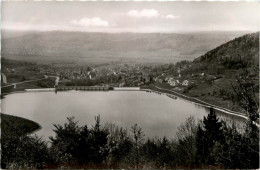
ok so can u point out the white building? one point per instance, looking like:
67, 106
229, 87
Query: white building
185, 83
173, 82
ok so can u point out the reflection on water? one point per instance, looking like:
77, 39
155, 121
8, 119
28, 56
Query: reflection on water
158, 115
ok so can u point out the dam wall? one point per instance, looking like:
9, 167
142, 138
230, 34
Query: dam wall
127, 88
86, 88
40, 90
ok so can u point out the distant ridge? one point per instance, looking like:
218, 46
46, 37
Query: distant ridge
109, 47
244, 48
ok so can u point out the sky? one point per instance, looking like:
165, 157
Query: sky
130, 16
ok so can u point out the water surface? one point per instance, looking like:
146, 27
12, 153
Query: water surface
158, 115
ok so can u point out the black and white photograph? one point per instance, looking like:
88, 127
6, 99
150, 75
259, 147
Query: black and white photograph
129, 84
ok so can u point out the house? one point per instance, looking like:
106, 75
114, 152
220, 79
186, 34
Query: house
121, 84
172, 82
147, 79
185, 83
91, 75
157, 79
76, 75
169, 78
160, 80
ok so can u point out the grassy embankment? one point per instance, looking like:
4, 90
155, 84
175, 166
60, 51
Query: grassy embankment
194, 95
17, 71
23, 74
11, 124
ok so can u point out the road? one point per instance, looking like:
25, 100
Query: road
206, 104
45, 77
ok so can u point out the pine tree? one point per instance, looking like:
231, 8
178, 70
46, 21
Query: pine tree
201, 146
213, 128
207, 135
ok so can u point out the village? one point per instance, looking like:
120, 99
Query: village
118, 75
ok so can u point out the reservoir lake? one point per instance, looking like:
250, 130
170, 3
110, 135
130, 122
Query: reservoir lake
157, 114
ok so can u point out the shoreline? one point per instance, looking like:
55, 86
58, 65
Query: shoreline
156, 90
207, 105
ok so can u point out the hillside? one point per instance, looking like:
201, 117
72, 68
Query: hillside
235, 53
214, 76
108, 47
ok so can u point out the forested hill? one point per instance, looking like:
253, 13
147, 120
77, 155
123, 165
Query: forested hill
241, 50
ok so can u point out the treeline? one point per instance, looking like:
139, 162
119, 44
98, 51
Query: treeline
210, 143
46, 83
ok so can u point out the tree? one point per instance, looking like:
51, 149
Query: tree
65, 145
137, 138
246, 90
98, 141
18, 149
164, 157
119, 145
76, 145
201, 145
208, 134
231, 152
150, 151
187, 142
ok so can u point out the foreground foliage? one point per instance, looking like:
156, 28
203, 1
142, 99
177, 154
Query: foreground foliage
209, 143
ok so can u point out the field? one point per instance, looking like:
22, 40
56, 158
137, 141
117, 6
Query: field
18, 72
205, 93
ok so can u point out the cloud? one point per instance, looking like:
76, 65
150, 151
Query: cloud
144, 13
170, 16
90, 22
149, 13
